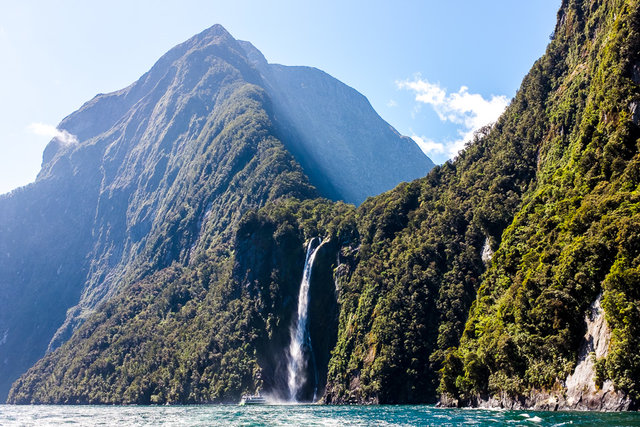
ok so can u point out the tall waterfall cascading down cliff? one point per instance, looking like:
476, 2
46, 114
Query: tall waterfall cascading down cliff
300, 345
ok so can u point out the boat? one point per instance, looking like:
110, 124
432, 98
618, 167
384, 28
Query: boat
257, 399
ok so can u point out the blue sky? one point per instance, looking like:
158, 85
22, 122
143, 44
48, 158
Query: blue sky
435, 70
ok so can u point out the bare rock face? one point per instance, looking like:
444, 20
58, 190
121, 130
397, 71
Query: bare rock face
579, 392
635, 112
487, 253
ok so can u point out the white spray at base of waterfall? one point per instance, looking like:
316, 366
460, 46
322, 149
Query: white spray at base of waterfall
296, 363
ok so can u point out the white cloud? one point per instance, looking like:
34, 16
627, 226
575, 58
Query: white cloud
426, 92
427, 146
392, 103
470, 111
52, 132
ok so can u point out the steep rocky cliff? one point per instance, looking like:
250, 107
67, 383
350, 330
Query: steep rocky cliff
489, 282
574, 236
551, 191
161, 174
347, 151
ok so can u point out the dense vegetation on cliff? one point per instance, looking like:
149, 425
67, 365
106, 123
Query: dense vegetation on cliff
470, 282
552, 187
420, 260
162, 172
147, 328
577, 232
203, 333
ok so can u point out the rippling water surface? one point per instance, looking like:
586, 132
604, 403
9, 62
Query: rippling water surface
296, 415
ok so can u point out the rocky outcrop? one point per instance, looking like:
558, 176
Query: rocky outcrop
580, 391
547, 401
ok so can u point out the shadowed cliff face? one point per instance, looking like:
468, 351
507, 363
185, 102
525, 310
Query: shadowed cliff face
162, 172
323, 315
34, 296
347, 151
269, 262
271, 267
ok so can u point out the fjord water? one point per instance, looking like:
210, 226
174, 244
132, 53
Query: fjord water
297, 415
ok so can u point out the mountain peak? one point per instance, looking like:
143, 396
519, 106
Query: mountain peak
215, 32
166, 168
216, 35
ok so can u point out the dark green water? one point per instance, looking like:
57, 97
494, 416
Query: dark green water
297, 415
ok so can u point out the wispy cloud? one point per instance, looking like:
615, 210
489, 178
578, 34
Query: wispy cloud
470, 111
428, 146
52, 132
392, 103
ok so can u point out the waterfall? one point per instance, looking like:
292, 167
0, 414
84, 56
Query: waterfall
300, 338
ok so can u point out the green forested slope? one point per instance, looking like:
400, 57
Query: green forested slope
553, 186
162, 172
419, 259
577, 234
204, 333
162, 338
409, 302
